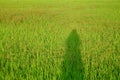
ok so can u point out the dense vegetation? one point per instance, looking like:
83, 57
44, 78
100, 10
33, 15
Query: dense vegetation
59, 40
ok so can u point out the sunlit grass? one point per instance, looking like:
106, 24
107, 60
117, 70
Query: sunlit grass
34, 37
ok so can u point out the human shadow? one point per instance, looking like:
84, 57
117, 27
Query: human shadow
73, 68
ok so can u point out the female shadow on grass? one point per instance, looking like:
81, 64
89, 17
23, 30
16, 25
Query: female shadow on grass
73, 68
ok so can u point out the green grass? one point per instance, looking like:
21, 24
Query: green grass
59, 40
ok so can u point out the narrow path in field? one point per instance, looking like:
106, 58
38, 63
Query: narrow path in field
73, 68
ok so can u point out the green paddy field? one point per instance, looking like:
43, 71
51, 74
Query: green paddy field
59, 40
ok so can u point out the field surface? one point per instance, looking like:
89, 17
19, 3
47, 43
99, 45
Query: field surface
59, 40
